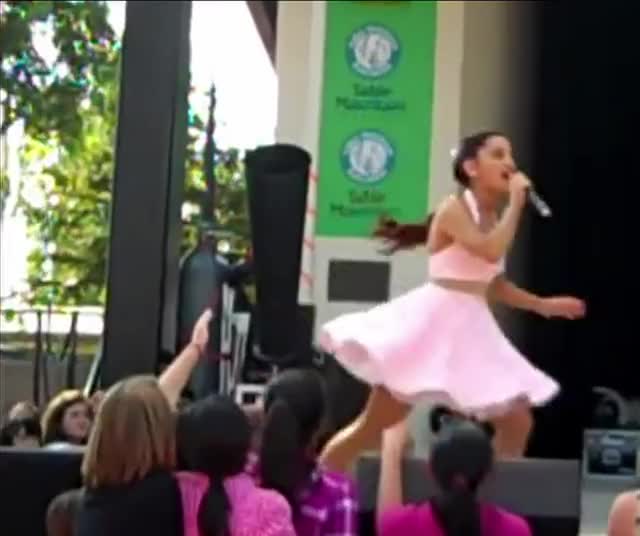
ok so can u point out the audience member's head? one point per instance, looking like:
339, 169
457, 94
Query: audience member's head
214, 437
62, 512
461, 458
67, 419
295, 405
133, 435
21, 432
23, 410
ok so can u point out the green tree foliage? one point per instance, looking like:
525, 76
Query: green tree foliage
4, 189
69, 110
230, 209
70, 217
47, 92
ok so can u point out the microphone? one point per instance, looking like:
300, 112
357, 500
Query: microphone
539, 204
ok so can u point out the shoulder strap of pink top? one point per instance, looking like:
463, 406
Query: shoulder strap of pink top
471, 202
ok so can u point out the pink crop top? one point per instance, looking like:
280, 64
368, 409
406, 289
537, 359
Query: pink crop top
456, 263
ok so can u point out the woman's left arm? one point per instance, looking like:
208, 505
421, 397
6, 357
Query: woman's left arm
504, 291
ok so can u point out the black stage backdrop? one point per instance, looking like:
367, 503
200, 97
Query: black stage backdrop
586, 156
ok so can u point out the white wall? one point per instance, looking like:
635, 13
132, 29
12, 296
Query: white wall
292, 57
300, 68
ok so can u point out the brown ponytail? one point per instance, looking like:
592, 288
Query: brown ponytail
397, 236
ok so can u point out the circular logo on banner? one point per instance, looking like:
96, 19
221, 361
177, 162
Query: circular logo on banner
368, 157
373, 51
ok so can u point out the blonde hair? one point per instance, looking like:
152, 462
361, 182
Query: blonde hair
133, 434
51, 422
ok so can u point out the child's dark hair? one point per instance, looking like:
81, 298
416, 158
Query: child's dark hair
461, 458
399, 236
295, 405
214, 438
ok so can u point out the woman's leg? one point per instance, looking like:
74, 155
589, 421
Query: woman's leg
382, 411
512, 432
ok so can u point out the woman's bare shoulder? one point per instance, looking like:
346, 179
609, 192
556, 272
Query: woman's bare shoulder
452, 201
453, 207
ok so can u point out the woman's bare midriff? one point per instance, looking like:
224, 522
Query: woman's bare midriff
477, 288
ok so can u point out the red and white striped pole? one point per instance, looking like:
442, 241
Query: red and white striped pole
305, 292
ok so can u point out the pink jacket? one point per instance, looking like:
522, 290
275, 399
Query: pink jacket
254, 511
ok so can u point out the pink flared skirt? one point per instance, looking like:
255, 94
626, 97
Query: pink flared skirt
438, 345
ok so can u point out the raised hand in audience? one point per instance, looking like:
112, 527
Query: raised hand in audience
200, 334
394, 445
96, 400
176, 375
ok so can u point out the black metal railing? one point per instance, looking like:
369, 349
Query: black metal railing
33, 336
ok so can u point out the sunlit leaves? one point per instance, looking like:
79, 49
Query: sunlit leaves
68, 98
45, 78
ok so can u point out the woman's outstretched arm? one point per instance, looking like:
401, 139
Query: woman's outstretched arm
504, 291
177, 374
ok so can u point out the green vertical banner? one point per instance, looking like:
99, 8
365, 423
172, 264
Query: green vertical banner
377, 103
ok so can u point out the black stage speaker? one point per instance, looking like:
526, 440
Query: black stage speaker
202, 274
305, 319
546, 492
29, 480
277, 183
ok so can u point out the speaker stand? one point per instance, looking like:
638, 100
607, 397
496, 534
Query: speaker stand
253, 392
